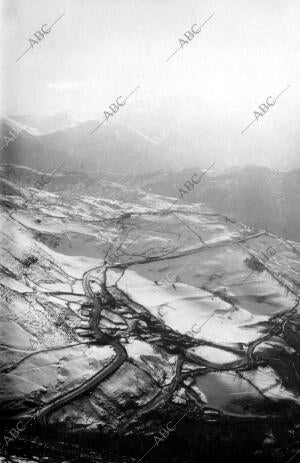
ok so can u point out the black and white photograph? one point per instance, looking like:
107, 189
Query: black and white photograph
150, 231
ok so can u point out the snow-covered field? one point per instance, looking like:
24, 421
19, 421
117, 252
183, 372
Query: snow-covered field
192, 316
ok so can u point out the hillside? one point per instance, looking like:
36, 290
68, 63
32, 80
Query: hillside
122, 311
258, 196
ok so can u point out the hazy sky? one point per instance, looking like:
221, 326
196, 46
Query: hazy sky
101, 49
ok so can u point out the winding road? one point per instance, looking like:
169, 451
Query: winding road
121, 356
